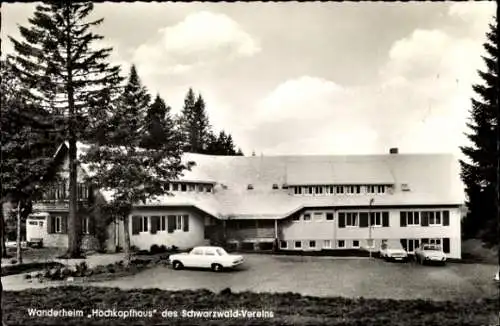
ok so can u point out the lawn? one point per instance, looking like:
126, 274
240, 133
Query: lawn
279, 309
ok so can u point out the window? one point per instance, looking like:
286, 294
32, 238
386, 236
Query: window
275, 186
307, 217
40, 223
191, 187
312, 244
318, 216
144, 224
85, 225
435, 241
410, 244
208, 188
370, 189
283, 244
82, 191
331, 189
298, 244
175, 187
298, 190
434, 218
210, 252
329, 216
309, 190
296, 217
250, 187
339, 189
33, 223
413, 218
341, 243
355, 243
197, 251
167, 187
375, 219
327, 244
56, 226
319, 189
351, 219
163, 223
178, 224
380, 189
183, 187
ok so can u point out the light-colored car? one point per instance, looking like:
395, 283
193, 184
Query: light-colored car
497, 277
430, 253
393, 250
215, 258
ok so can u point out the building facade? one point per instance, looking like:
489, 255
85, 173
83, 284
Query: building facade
305, 203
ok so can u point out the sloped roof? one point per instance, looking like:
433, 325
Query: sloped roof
433, 179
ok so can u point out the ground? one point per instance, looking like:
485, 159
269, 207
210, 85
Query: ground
316, 276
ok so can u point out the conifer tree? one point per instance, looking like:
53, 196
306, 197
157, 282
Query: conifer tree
131, 173
480, 173
160, 126
194, 124
61, 69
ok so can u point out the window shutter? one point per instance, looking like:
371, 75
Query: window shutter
50, 225
155, 220
402, 217
404, 244
171, 223
446, 245
341, 220
185, 223
136, 224
446, 218
92, 224
363, 220
64, 224
424, 219
385, 218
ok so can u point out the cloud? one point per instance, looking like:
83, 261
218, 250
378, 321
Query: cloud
201, 38
419, 103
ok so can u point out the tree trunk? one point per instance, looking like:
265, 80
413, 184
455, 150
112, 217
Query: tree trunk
126, 235
3, 232
74, 238
19, 253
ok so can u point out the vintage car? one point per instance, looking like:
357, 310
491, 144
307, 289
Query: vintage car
430, 253
393, 250
215, 258
497, 277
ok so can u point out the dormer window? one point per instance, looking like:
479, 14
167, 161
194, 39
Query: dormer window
275, 186
250, 187
405, 187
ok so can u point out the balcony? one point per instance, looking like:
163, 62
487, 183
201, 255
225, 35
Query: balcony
56, 205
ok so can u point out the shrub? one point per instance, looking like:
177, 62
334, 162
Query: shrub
132, 248
82, 268
154, 249
163, 249
174, 248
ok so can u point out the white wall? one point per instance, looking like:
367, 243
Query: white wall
328, 230
179, 238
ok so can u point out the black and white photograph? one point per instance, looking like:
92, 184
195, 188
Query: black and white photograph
250, 163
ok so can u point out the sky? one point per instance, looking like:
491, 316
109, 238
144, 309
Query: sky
306, 78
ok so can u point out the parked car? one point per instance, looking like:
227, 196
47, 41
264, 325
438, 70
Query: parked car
215, 258
430, 253
497, 277
393, 250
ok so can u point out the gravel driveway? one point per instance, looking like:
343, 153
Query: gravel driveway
319, 276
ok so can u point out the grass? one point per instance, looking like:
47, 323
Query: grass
287, 308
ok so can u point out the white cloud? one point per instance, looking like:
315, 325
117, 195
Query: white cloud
201, 38
420, 102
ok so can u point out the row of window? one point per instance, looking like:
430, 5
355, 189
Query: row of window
61, 191
379, 219
341, 189
189, 187
58, 224
156, 223
408, 244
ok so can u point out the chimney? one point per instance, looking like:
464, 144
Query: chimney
393, 150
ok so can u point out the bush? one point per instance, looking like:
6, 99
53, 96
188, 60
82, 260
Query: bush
174, 249
132, 248
155, 249
163, 249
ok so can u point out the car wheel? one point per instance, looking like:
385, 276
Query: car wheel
217, 267
177, 265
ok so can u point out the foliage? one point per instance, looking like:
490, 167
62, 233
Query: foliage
479, 172
159, 125
287, 308
61, 71
131, 173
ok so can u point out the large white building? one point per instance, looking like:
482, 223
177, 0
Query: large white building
302, 203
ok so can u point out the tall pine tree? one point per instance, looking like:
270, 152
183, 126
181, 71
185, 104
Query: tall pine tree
61, 70
480, 174
28, 143
133, 174
160, 126
194, 124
